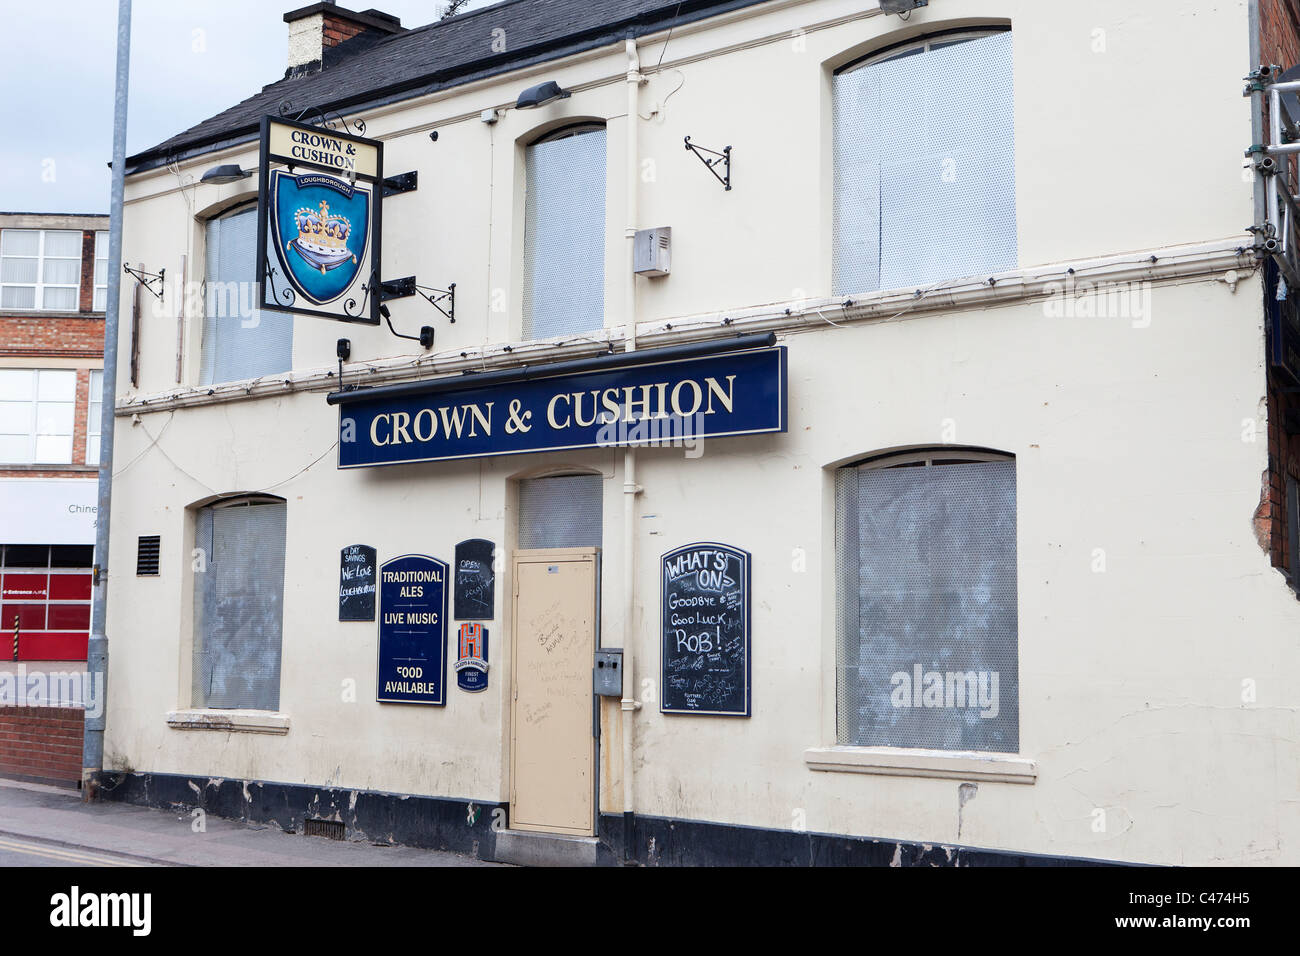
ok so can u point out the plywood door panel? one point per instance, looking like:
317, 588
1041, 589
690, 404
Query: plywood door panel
552, 747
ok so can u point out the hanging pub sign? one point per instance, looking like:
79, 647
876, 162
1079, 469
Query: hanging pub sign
472, 657
319, 194
674, 403
475, 594
412, 631
357, 583
705, 631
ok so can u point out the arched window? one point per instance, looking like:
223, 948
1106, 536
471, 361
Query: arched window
238, 603
240, 341
925, 555
924, 153
564, 233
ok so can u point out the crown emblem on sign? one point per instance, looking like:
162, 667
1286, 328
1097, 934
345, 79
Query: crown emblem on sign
322, 238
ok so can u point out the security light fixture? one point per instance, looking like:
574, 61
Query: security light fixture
901, 6
229, 173
540, 95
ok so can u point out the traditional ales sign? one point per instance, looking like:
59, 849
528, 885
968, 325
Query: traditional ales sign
412, 631
319, 197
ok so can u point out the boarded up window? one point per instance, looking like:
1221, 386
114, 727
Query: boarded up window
925, 179
926, 615
239, 340
238, 605
562, 512
564, 234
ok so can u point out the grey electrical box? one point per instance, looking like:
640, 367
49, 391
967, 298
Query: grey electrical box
653, 251
609, 672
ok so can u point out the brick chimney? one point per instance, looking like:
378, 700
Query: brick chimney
316, 31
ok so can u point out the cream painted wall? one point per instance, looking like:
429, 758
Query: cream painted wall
1126, 439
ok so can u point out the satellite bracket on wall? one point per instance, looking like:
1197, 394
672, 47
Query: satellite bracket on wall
147, 279
723, 158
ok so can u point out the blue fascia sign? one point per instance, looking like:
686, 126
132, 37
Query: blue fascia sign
671, 403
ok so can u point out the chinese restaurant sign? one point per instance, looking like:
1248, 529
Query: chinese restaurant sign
668, 404
412, 631
319, 197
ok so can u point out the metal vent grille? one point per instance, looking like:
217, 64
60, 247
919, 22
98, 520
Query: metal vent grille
924, 152
146, 554
927, 652
564, 236
563, 512
332, 829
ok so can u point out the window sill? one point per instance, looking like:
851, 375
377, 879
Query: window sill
908, 762
236, 721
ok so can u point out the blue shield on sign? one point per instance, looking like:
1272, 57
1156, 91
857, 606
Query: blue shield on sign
320, 226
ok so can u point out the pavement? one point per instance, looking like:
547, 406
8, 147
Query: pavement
50, 826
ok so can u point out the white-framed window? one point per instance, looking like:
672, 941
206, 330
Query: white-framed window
564, 233
40, 269
94, 410
38, 409
101, 272
238, 604
240, 341
924, 155
926, 607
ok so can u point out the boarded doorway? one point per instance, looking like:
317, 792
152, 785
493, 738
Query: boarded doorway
555, 618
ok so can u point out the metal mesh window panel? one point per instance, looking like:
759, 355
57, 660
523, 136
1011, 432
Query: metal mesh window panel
562, 512
240, 341
238, 606
927, 649
924, 153
564, 236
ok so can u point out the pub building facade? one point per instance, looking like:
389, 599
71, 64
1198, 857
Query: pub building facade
643, 432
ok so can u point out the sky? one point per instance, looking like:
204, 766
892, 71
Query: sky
190, 59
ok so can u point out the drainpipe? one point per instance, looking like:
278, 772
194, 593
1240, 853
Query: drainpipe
92, 755
631, 489
1257, 111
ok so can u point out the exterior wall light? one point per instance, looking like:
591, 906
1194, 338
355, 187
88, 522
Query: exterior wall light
229, 173
540, 95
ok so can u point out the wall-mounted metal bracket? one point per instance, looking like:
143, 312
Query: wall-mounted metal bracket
723, 158
147, 279
396, 288
435, 297
401, 183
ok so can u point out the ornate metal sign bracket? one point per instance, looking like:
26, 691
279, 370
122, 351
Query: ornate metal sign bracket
723, 159
147, 279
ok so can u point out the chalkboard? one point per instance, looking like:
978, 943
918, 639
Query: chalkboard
412, 631
475, 580
357, 583
705, 631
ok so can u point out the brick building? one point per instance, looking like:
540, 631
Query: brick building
53, 289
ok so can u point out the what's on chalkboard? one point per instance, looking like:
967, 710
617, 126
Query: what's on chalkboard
357, 583
475, 580
705, 631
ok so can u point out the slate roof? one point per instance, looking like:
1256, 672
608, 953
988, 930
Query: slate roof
378, 70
